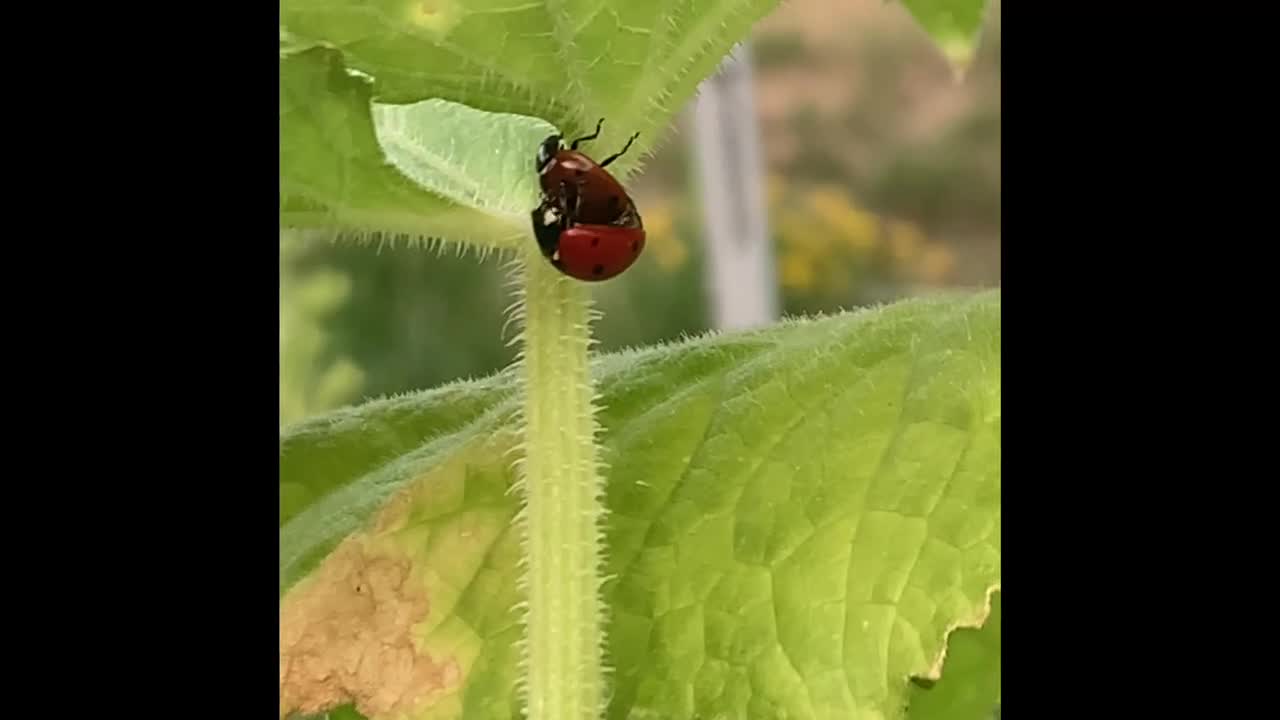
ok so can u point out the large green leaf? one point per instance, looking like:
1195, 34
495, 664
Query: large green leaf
447, 148
798, 517
569, 61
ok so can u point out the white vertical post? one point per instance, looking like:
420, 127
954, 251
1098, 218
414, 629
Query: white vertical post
726, 144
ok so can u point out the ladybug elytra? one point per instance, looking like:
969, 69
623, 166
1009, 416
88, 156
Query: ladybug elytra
586, 251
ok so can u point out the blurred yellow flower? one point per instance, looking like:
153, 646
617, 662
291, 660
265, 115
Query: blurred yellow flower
661, 241
825, 241
936, 263
658, 219
905, 242
856, 227
829, 196
799, 232
797, 271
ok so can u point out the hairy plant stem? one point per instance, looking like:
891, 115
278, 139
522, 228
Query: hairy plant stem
563, 674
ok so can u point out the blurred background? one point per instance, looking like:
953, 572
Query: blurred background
878, 179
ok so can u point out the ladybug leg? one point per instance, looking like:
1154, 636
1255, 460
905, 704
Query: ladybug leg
592, 136
570, 207
577, 201
621, 152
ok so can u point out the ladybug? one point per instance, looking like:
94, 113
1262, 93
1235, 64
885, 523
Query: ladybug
587, 226
599, 197
586, 251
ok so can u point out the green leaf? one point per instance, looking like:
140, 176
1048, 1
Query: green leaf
569, 61
431, 171
798, 516
311, 377
969, 688
443, 168
954, 26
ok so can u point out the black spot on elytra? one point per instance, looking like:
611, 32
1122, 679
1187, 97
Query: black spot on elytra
595, 241
635, 246
597, 270
613, 204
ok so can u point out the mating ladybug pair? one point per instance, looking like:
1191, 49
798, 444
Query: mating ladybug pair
586, 224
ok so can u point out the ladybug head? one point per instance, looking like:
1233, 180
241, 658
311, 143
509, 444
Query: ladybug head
547, 151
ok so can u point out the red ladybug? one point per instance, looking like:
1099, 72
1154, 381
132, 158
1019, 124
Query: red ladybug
599, 197
587, 225
586, 251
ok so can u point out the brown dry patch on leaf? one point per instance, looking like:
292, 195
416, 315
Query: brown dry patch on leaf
345, 636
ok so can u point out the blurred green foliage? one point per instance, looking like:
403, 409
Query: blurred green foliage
315, 372
408, 318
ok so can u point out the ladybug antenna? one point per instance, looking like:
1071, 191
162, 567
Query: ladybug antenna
592, 136
620, 153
